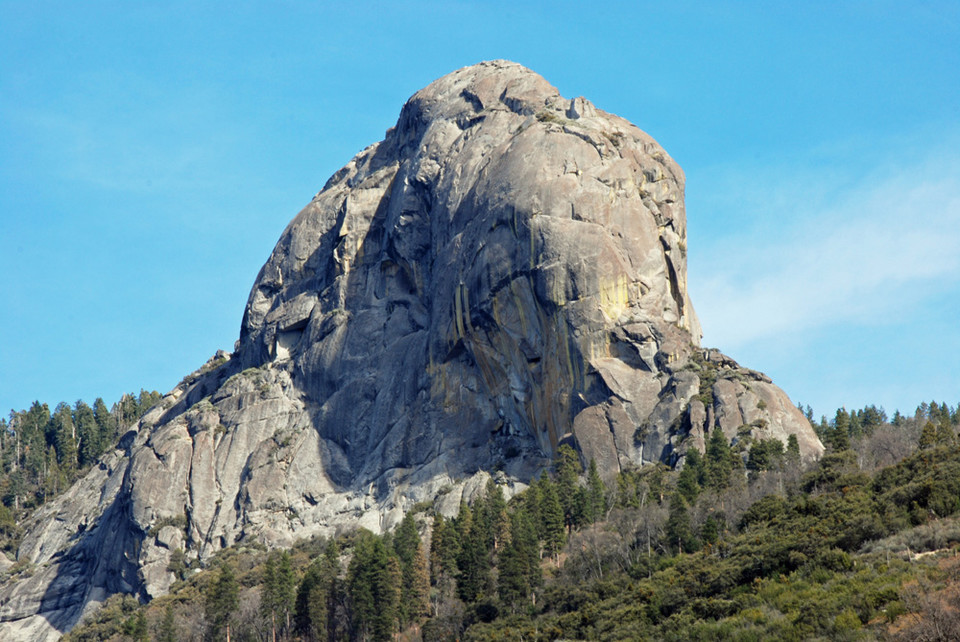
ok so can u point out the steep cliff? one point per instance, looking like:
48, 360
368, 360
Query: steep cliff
504, 271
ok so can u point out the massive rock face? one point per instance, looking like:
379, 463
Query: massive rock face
504, 271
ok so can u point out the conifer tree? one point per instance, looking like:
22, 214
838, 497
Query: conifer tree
519, 566
473, 564
136, 627
90, 443
167, 631
374, 583
793, 450
688, 484
415, 602
840, 437
106, 422
437, 546
64, 438
718, 463
596, 493
314, 617
928, 436
568, 472
679, 531
945, 434
279, 591
552, 519
221, 602
499, 519
417, 592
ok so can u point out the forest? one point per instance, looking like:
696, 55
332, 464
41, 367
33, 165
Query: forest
743, 542
42, 453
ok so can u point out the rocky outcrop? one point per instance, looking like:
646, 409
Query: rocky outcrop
505, 270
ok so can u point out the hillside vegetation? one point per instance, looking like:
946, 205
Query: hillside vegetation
743, 543
42, 452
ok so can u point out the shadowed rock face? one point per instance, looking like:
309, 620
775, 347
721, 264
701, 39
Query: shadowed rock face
505, 270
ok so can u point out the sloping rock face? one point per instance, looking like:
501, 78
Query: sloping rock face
504, 271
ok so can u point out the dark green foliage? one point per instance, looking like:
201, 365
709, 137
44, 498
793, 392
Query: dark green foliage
766, 454
718, 461
167, 630
552, 530
178, 564
473, 562
136, 627
277, 601
680, 536
317, 596
596, 495
88, 434
688, 482
519, 569
64, 438
221, 602
42, 453
795, 565
568, 472
374, 584
793, 451
415, 599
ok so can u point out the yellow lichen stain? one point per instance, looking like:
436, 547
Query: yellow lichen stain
564, 338
458, 311
532, 248
614, 296
559, 289
518, 302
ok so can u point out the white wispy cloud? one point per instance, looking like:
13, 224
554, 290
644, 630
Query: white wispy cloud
866, 251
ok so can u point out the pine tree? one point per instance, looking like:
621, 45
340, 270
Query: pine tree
437, 545
314, 602
718, 462
840, 437
374, 583
568, 472
167, 631
552, 519
928, 436
473, 563
793, 451
710, 532
597, 493
417, 592
679, 532
688, 483
499, 519
64, 438
278, 599
90, 443
106, 422
222, 600
136, 627
945, 434
519, 566
415, 602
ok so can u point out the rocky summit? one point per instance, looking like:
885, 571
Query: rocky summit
504, 272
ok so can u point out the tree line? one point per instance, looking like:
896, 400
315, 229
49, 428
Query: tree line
42, 452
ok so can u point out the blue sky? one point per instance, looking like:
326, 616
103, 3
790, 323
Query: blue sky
152, 153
